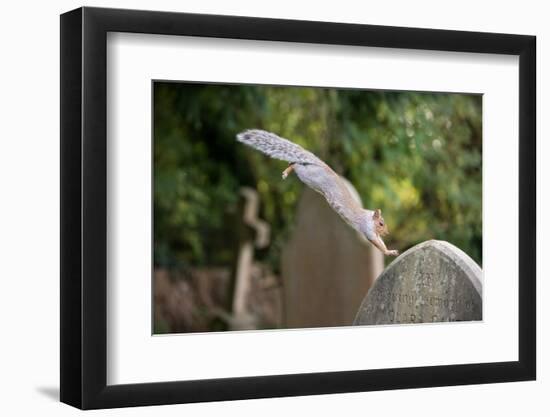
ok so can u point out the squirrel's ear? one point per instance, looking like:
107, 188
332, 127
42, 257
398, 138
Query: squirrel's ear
377, 213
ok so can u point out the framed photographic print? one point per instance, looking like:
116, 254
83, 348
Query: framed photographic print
258, 207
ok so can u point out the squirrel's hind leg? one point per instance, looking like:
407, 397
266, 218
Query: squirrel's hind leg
288, 171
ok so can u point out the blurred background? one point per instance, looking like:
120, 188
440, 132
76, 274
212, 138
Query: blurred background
236, 247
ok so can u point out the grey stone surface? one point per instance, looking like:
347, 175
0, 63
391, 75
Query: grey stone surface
327, 267
432, 282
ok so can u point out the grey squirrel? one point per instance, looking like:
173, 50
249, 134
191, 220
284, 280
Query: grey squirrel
320, 177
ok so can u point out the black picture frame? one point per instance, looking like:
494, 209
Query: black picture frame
84, 207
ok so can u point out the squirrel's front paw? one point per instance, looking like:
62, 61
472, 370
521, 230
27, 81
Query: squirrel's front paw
392, 252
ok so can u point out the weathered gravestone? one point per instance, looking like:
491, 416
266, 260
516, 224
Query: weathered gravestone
431, 282
326, 266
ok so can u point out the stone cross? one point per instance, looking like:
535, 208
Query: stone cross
241, 318
432, 282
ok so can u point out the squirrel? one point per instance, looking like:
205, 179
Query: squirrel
316, 174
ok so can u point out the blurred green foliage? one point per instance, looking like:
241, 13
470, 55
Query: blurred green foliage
416, 156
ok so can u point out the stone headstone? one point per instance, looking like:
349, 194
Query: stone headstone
432, 282
326, 266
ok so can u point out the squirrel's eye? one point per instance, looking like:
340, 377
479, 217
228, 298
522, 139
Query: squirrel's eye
381, 223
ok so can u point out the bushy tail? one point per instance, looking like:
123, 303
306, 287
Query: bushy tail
276, 147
